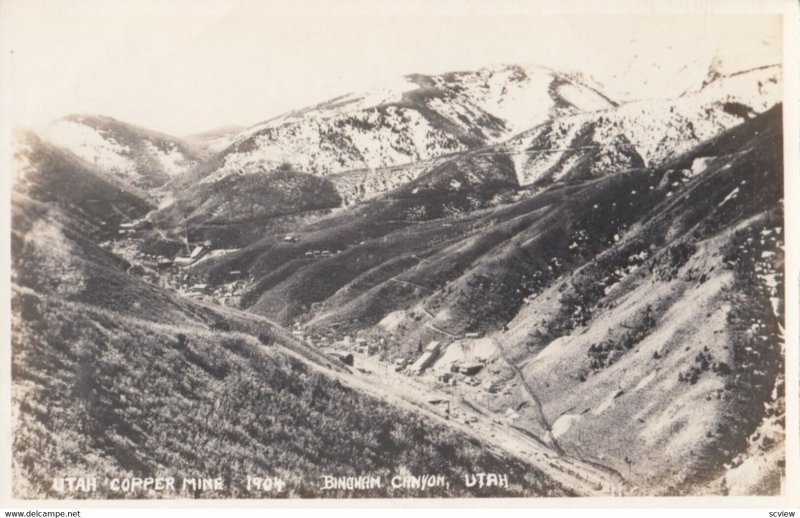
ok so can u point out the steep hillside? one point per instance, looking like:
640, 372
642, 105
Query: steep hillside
238, 209
140, 157
635, 297
114, 377
657, 77
99, 201
603, 281
642, 132
420, 118
676, 330
560, 127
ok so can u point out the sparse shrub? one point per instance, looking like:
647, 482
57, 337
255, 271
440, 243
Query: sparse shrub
608, 352
722, 368
221, 325
723, 487
285, 167
667, 264
702, 362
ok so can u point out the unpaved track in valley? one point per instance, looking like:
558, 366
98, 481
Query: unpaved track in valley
379, 380
408, 392
537, 405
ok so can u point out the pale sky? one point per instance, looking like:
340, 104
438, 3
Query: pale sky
188, 66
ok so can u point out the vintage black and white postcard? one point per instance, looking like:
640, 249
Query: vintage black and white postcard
328, 250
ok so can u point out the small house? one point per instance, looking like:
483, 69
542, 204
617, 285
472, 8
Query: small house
343, 356
164, 263
433, 347
428, 357
473, 335
470, 369
183, 261
197, 252
289, 239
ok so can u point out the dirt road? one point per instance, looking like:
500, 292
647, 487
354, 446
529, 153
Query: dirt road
408, 392
379, 379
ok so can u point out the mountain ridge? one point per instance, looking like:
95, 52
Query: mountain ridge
611, 279
142, 157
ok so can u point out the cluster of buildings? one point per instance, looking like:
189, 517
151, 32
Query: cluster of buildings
321, 253
132, 226
171, 273
197, 251
426, 359
464, 371
289, 238
359, 344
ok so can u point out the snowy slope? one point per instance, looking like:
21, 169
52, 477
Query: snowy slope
98, 201
140, 157
419, 118
642, 132
553, 126
591, 144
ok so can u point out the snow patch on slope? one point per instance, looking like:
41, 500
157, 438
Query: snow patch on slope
172, 162
417, 118
93, 147
655, 130
387, 92
372, 139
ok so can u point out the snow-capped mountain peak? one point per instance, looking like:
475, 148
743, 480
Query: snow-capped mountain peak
418, 117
